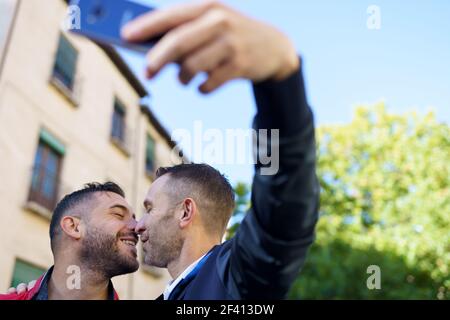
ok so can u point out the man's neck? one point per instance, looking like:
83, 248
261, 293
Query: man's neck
191, 252
67, 284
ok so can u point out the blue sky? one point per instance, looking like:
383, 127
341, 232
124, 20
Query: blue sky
406, 63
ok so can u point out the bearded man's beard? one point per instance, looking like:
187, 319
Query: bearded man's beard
100, 253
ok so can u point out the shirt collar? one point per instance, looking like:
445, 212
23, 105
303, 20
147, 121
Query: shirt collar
172, 284
42, 293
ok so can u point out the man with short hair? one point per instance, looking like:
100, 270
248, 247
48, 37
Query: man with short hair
93, 240
197, 188
188, 206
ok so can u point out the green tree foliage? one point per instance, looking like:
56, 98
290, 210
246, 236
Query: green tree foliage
385, 201
242, 201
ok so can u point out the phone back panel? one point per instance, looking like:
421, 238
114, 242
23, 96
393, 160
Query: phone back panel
102, 20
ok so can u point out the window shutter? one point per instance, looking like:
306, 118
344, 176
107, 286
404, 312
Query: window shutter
66, 61
150, 154
50, 140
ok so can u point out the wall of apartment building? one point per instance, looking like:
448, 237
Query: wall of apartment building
30, 102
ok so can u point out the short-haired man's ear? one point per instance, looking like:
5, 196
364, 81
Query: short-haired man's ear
71, 226
189, 209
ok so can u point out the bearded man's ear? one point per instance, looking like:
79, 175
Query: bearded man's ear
71, 226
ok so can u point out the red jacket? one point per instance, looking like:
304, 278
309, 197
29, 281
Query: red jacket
28, 295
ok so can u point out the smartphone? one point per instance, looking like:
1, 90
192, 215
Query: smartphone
102, 20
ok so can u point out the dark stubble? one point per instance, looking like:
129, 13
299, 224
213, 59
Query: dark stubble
100, 253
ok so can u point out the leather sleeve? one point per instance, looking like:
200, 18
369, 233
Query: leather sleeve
271, 244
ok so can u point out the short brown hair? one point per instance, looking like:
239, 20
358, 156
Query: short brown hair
210, 189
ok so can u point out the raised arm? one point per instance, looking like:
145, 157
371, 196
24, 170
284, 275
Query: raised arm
271, 245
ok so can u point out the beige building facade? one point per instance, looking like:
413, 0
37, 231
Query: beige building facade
70, 113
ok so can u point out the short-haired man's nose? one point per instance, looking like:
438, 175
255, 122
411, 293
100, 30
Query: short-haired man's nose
140, 227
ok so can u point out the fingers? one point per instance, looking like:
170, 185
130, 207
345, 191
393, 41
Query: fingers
161, 21
11, 290
21, 288
194, 38
183, 40
206, 59
219, 77
31, 284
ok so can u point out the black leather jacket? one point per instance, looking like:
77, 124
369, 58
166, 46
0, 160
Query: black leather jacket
270, 247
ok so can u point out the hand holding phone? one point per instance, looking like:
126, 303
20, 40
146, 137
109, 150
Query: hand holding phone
201, 37
210, 37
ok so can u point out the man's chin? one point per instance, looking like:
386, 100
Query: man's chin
127, 266
128, 262
132, 261
134, 267
149, 261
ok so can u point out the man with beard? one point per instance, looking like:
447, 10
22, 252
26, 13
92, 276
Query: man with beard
188, 206
92, 237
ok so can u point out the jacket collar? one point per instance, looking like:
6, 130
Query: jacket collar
40, 290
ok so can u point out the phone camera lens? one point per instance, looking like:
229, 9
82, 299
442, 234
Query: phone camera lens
96, 14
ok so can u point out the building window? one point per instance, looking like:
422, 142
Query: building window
65, 64
118, 123
46, 169
25, 272
150, 156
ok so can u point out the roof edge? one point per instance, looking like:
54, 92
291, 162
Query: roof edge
145, 109
124, 69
